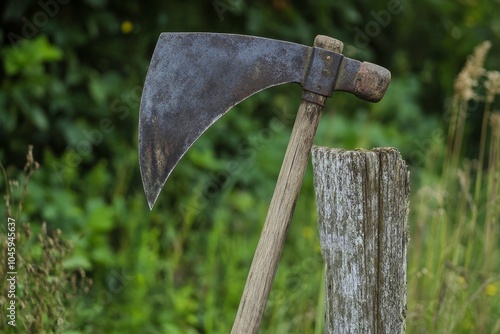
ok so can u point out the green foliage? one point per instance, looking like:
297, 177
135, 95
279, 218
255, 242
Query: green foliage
71, 86
36, 283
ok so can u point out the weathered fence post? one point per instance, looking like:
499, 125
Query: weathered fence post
362, 201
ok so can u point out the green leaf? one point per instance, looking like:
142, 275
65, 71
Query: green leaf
28, 56
103, 255
100, 217
103, 86
39, 118
76, 262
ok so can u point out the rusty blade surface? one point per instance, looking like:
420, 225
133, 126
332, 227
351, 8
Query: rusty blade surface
193, 79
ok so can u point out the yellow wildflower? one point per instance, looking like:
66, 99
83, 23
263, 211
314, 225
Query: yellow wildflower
127, 27
462, 282
307, 232
491, 289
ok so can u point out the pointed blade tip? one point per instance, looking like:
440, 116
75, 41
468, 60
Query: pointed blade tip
150, 190
151, 197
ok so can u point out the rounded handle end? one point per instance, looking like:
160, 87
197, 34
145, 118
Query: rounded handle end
371, 82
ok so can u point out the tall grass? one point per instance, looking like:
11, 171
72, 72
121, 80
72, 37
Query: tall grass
454, 261
45, 291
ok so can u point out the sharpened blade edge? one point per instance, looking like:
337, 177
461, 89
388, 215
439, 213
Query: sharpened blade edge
194, 79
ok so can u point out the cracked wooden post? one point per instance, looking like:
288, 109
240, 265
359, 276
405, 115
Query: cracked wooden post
362, 201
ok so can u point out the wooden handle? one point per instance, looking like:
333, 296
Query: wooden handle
265, 262
272, 239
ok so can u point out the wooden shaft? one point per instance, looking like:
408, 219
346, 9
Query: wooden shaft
272, 239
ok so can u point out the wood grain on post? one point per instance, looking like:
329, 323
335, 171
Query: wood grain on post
362, 200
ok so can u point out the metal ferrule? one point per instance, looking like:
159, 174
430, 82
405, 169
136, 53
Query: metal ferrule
321, 75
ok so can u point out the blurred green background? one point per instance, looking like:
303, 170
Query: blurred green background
71, 81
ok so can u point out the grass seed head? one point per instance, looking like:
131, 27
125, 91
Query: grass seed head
492, 85
468, 77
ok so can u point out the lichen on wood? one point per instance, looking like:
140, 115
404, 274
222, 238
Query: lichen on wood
362, 200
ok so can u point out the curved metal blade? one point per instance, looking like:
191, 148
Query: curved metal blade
193, 79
